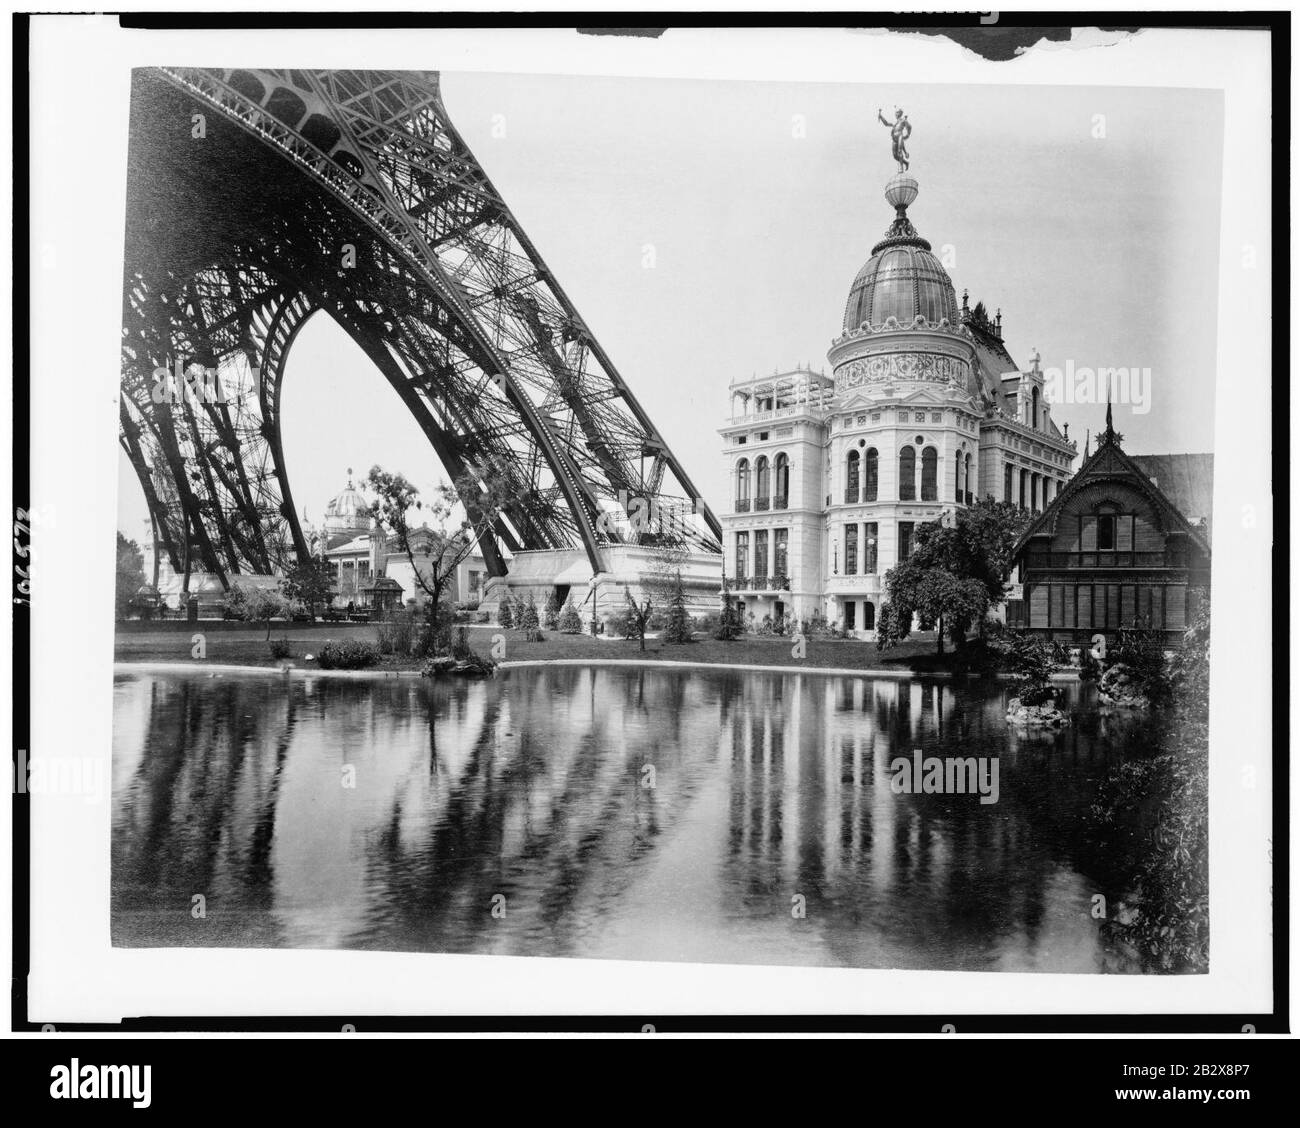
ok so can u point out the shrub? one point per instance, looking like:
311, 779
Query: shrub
569, 622
280, 648
620, 625
528, 617
729, 625
351, 654
551, 614
1143, 651
678, 627
397, 632
505, 612
460, 647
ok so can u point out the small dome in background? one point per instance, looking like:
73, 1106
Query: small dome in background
348, 512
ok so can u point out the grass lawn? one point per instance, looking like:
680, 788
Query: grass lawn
248, 647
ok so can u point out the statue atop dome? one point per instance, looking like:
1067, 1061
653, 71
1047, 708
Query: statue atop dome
900, 129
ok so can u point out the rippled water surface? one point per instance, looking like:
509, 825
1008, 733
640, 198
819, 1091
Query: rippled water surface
630, 813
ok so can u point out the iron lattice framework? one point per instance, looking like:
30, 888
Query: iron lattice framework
258, 198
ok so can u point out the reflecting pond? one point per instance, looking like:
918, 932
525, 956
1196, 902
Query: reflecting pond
616, 812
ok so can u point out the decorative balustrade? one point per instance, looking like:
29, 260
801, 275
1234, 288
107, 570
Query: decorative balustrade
850, 495
780, 501
762, 503
761, 583
742, 505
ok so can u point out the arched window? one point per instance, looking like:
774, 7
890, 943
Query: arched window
957, 476
1033, 419
742, 485
868, 616
966, 476
782, 481
852, 477
907, 474
871, 479
762, 483
930, 474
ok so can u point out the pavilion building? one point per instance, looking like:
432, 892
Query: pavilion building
924, 412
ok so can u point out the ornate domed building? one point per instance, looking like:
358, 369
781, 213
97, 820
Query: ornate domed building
924, 411
347, 514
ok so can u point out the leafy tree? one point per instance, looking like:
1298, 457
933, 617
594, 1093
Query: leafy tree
569, 622
309, 584
638, 615
130, 574
528, 620
551, 614
954, 574
679, 628
254, 605
940, 600
506, 611
436, 551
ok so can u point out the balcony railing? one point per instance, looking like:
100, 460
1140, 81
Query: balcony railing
742, 505
780, 501
850, 495
1103, 559
762, 503
762, 583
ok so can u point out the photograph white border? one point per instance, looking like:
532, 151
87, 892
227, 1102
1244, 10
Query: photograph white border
80, 84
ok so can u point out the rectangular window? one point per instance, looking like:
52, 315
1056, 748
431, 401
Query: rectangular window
850, 615
1024, 482
1124, 532
905, 539
1006, 484
850, 550
760, 554
780, 552
1069, 606
1112, 606
872, 531
1105, 532
742, 556
1037, 596
1085, 606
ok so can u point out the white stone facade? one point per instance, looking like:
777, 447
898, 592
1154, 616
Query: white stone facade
924, 412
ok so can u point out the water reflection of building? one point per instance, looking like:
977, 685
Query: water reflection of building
535, 787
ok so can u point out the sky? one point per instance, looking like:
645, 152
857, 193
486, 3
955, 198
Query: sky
708, 231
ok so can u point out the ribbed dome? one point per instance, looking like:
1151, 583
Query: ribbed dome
348, 511
902, 278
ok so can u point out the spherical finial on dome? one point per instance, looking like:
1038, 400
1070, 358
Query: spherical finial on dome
901, 190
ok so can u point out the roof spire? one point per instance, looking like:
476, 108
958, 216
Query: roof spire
1087, 446
1110, 423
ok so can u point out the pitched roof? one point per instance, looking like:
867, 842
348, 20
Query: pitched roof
1108, 460
1187, 480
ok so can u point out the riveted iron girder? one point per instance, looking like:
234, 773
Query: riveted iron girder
258, 199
